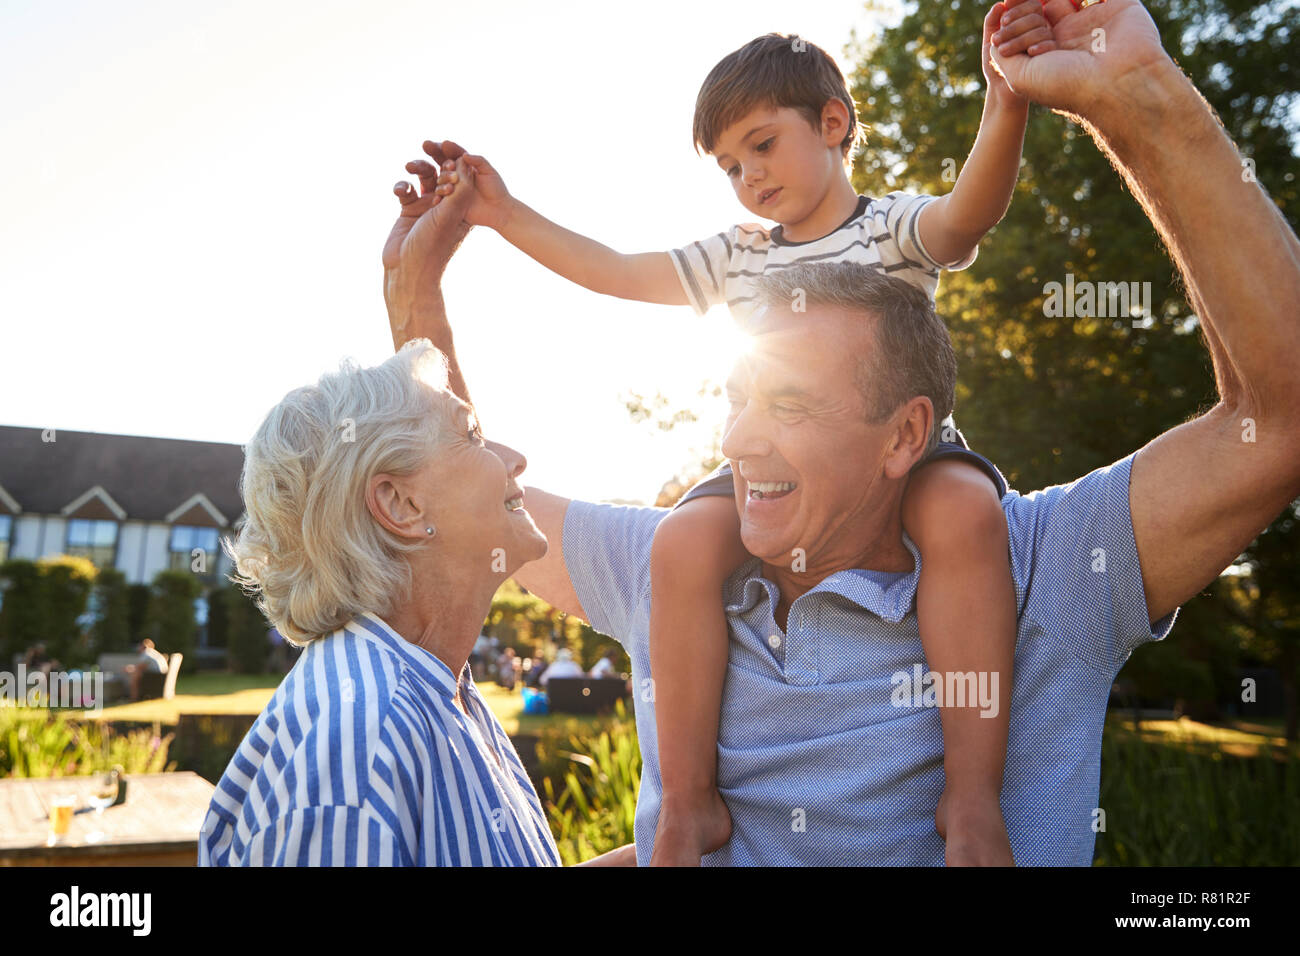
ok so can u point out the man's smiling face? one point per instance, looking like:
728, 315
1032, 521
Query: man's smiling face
809, 466
779, 166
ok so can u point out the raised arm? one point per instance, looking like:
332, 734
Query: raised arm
645, 276
427, 233
1202, 491
952, 226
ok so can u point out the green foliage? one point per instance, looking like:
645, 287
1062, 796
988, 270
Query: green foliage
594, 645
1169, 805
137, 608
38, 743
20, 615
67, 582
111, 630
522, 621
42, 604
1050, 399
245, 630
595, 809
170, 619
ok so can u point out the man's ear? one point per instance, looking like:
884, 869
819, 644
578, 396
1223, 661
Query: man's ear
913, 422
835, 122
389, 501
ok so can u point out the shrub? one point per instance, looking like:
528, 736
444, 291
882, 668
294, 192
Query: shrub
35, 742
170, 620
66, 583
20, 615
137, 609
43, 603
246, 631
111, 631
596, 807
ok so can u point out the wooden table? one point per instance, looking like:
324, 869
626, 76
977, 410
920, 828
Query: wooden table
157, 826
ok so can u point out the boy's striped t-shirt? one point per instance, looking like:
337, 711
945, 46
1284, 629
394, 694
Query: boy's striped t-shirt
881, 232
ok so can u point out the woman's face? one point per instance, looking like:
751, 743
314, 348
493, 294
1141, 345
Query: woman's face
475, 502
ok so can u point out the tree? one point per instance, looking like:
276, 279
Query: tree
1051, 397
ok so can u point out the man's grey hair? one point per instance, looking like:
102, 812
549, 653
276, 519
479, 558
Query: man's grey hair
912, 354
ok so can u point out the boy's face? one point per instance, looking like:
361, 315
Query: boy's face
779, 166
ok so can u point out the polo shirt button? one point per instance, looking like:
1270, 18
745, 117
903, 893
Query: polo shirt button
774, 641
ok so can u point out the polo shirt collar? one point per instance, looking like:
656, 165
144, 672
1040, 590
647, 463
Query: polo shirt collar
887, 594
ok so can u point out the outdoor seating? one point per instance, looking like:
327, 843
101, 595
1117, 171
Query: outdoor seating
154, 685
584, 695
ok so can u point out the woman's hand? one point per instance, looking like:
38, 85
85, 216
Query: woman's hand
427, 233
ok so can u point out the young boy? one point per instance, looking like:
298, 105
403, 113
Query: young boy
777, 116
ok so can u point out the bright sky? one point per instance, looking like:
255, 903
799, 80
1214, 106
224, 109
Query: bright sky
193, 198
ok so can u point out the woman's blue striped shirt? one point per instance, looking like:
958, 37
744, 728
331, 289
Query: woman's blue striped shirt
363, 758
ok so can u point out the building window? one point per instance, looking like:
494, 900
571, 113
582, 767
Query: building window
185, 540
6, 530
96, 540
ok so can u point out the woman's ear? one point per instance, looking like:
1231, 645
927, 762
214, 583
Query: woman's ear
913, 423
389, 501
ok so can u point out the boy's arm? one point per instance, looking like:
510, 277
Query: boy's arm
951, 227
645, 277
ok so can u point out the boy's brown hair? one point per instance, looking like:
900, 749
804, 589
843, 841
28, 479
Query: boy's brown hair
772, 70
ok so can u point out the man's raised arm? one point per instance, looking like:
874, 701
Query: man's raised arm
1202, 491
421, 243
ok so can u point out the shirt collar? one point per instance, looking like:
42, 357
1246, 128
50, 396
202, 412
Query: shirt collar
777, 235
887, 594
435, 673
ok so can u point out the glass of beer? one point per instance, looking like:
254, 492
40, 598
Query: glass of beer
61, 808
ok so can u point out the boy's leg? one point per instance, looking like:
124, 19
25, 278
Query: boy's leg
695, 549
966, 612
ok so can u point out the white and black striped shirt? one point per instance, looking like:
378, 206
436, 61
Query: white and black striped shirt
881, 232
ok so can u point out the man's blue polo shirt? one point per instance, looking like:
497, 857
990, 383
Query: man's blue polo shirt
816, 761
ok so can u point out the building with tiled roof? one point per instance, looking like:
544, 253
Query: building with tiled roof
138, 504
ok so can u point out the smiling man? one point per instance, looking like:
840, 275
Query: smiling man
818, 761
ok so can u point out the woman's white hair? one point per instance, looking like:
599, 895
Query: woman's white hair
310, 549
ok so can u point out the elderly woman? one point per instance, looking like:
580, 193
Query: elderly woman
379, 525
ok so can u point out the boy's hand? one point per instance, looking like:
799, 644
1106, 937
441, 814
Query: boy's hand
490, 204
1013, 27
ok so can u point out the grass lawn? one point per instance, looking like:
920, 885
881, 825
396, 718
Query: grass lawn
1237, 737
202, 693
220, 693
